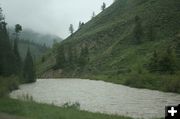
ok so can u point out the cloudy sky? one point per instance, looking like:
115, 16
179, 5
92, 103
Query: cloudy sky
50, 16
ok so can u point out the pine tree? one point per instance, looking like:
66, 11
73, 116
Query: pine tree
29, 69
167, 62
70, 57
60, 57
93, 15
151, 33
71, 29
18, 28
154, 62
103, 7
80, 24
138, 31
84, 56
7, 57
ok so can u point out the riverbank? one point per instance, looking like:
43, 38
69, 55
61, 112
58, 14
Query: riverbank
32, 110
165, 83
154, 81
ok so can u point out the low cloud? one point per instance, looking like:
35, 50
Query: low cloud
50, 16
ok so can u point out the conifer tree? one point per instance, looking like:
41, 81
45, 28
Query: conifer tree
151, 33
18, 29
60, 57
167, 62
6, 54
154, 62
93, 15
103, 7
138, 31
70, 57
71, 29
84, 56
29, 69
80, 24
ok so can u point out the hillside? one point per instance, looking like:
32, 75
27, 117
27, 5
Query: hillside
113, 54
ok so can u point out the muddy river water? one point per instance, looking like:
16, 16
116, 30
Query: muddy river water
99, 96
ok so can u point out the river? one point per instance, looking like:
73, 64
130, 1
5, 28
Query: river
100, 96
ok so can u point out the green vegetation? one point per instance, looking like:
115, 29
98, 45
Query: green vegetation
7, 57
29, 74
71, 29
42, 111
8, 84
37, 50
121, 42
138, 31
18, 29
10, 61
103, 7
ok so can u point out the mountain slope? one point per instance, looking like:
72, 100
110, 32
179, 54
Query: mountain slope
113, 54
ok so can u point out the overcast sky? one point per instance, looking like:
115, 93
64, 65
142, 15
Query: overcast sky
50, 16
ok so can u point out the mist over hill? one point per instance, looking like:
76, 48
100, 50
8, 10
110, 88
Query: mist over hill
43, 39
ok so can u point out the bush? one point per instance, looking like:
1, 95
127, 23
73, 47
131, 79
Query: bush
75, 105
171, 83
7, 84
164, 63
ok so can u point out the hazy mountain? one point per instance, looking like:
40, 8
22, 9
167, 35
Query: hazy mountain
36, 37
37, 50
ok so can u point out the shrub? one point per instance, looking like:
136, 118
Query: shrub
7, 84
75, 105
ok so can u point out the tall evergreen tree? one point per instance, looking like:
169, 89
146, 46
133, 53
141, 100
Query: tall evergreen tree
167, 62
80, 24
93, 15
6, 54
103, 7
71, 29
151, 33
18, 29
138, 31
154, 62
60, 57
84, 56
29, 69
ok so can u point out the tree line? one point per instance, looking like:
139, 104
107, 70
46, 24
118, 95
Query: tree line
10, 60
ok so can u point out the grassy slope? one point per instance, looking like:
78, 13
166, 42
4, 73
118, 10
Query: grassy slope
33, 110
113, 55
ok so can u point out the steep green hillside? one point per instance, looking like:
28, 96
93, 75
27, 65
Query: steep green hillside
113, 53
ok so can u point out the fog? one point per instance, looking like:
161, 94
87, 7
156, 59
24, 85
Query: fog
50, 16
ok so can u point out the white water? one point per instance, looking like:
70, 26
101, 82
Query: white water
99, 96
